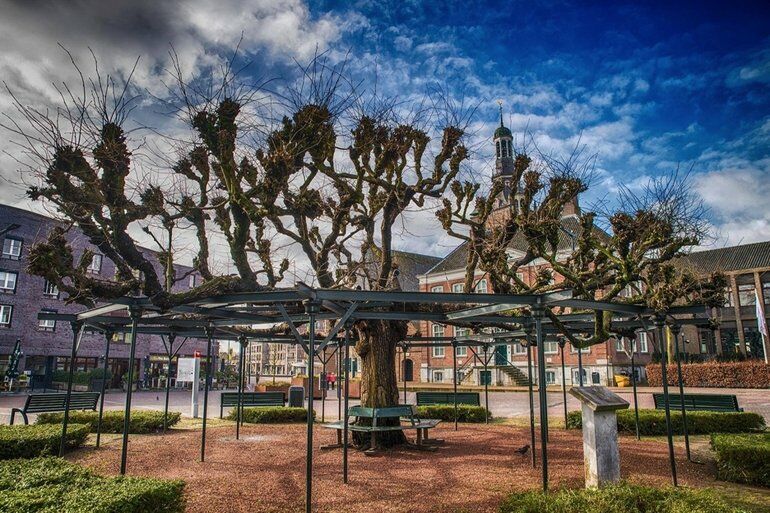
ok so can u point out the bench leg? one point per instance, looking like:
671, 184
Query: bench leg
373, 445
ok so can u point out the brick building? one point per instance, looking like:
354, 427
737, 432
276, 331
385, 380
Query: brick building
46, 345
747, 268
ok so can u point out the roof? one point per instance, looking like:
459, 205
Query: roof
412, 265
733, 258
456, 260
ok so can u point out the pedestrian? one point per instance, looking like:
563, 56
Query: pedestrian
332, 380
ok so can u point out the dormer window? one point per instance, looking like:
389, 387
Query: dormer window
498, 148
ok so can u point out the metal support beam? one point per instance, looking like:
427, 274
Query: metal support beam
312, 309
345, 408
206, 386
676, 332
530, 386
562, 343
77, 332
537, 312
108, 337
135, 313
659, 325
454, 379
243, 342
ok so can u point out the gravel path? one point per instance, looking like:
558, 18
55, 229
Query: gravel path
264, 472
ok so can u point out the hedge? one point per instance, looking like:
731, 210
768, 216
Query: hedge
271, 415
33, 441
653, 422
446, 412
746, 374
620, 498
743, 458
53, 485
142, 421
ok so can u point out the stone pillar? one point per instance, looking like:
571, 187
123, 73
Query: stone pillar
600, 434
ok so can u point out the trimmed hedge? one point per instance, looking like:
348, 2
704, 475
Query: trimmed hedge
142, 421
620, 498
271, 415
743, 458
745, 374
653, 422
33, 441
53, 485
446, 412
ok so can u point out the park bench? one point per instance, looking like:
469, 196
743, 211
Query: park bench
431, 398
230, 400
48, 403
695, 402
408, 419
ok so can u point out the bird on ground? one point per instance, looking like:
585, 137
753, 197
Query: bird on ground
522, 450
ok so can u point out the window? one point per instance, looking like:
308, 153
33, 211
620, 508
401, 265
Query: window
519, 349
746, 295
458, 287
643, 342
50, 289
438, 376
6, 313
462, 332
47, 324
12, 248
437, 288
576, 376
551, 347
96, 264
438, 351
121, 337
620, 344
462, 351
8, 281
481, 287
585, 350
191, 281
550, 377
705, 340
766, 292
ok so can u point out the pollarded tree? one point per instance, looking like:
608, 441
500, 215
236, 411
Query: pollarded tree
333, 178
633, 263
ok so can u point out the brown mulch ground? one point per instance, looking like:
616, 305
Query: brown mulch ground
265, 470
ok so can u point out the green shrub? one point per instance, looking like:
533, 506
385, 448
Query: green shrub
620, 498
271, 415
653, 422
33, 441
80, 377
743, 458
446, 412
53, 485
142, 421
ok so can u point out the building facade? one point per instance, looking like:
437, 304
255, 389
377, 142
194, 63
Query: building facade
46, 345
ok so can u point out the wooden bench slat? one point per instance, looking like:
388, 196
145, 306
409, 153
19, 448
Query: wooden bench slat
433, 398
699, 402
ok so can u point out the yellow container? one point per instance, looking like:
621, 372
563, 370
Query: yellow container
622, 381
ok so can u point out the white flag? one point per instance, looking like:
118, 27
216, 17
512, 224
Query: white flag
761, 315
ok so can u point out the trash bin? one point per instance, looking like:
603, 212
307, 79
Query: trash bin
296, 397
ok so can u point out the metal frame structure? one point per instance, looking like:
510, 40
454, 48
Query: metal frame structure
232, 317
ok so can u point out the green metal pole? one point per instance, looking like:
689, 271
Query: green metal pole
135, 313
206, 386
454, 381
77, 331
675, 332
659, 324
537, 312
171, 339
531, 398
107, 335
243, 342
345, 407
312, 309
563, 382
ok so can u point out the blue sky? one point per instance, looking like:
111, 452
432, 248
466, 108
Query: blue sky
646, 87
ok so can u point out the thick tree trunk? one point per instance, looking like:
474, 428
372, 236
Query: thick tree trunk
376, 347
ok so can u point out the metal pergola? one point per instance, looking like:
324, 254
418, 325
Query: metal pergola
233, 317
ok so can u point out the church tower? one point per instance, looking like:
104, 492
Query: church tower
504, 161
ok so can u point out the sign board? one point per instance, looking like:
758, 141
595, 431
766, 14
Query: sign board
185, 369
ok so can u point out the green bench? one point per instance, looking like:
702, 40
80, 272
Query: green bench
431, 398
408, 419
696, 402
248, 399
48, 403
